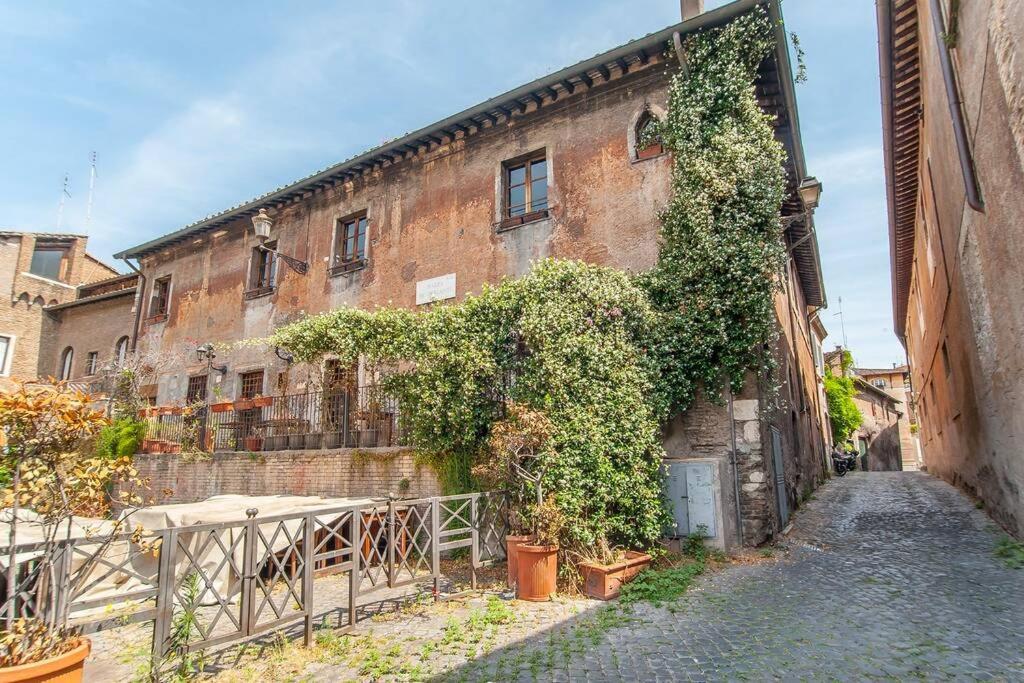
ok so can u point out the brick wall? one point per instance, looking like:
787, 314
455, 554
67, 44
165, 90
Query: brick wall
331, 473
89, 326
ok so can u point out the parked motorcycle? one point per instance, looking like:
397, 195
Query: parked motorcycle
843, 462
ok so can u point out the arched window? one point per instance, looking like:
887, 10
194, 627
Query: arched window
66, 359
648, 136
121, 351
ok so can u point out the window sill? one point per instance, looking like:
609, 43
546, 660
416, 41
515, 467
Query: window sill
512, 223
647, 153
257, 293
347, 268
154, 319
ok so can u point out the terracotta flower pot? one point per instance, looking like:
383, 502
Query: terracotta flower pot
512, 544
536, 571
263, 401
604, 581
253, 443
172, 448
243, 404
175, 410
649, 151
165, 410
221, 407
65, 668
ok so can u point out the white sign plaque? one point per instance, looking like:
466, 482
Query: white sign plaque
435, 289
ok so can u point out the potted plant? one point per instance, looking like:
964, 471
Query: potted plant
243, 404
537, 560
220, 405
46, 433
518, 450
260, 401
604, 575
254, 443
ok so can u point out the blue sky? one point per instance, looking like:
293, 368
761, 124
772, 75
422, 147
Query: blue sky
193, 107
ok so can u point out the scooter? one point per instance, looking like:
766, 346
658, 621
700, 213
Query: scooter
844, 462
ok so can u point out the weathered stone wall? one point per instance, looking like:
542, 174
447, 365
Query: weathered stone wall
964, 315
346, 472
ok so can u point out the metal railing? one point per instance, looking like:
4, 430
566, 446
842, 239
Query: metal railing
344, 418
241, 578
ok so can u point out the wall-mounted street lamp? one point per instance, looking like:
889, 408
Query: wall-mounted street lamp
287, 356
261, 224
206, 354
810, 192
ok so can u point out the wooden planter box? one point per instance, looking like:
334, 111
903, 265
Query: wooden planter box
222, 407
604, 581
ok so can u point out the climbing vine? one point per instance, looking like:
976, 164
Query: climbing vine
604, 356
721, 250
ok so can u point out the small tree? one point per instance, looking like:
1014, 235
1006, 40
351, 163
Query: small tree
46, 432
843, 414
518, 452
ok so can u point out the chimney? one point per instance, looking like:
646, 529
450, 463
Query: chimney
691, 8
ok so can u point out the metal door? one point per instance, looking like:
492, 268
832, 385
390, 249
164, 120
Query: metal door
780, 476
690, 490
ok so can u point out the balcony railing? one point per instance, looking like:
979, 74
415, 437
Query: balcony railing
343, 418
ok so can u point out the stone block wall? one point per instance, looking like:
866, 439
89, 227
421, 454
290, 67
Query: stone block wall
346, 472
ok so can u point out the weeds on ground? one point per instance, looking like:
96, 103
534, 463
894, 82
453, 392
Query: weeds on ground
1011, 552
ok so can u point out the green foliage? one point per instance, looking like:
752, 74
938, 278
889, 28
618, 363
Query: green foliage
575, 339
1011, 552
658, 586
120, 439
721, 255
843, 414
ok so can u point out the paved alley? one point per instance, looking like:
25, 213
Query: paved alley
887, 576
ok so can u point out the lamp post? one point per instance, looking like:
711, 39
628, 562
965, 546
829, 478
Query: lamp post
810, 193
261, 224
206, 354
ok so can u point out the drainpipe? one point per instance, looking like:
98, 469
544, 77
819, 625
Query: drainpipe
735, 467
139, 298
956, 111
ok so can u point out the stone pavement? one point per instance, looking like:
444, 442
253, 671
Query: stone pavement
886, 576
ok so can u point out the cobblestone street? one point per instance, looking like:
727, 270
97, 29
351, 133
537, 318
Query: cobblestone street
887, 576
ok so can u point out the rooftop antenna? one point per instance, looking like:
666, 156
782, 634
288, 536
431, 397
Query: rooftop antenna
92, 186
842, 323
64, 194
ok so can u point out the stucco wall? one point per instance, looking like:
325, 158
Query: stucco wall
964, 315
330, 473
94, 326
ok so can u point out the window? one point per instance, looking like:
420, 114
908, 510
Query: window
91, 361
196, 389
252, 384
648, 137
121, 350
880, 383
349, 244
66, 358
160, 298
5, 350
49, 260
526, 190
262, 270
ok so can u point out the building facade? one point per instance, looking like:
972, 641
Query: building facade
953, 118
896, 382
550, 169
39, 270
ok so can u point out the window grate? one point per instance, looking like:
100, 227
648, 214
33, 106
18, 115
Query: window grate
252, 383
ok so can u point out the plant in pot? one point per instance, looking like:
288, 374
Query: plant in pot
537, 561
605, 569
517, 451
220, 404
48, 452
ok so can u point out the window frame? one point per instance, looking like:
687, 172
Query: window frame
159, 314
6, 357
67, 360
529, 214
245, 389
65, 260
122, 342
341, 261
194, 397
92, 361
653, 149
262, 271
